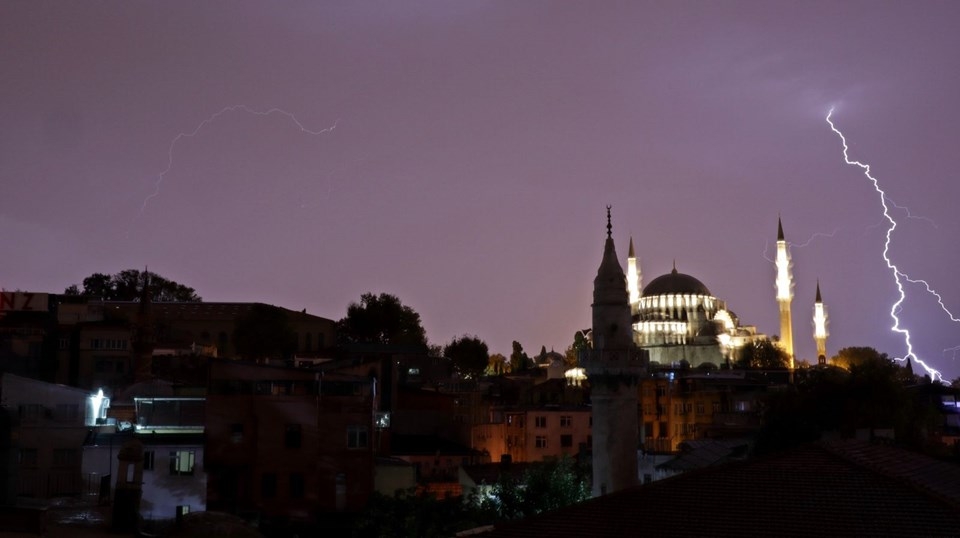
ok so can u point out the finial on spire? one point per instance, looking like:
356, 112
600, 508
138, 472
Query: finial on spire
630, 254
609, 225
779, 229
674, 266
819, 300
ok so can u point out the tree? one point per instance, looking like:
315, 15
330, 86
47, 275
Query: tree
518, 359
542, 487
497, 364
849, 357
381, 319
264, 332
126, 285
763, 354
571, 357
469, 355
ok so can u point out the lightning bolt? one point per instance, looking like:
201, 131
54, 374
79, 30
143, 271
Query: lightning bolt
208, 121
897, 274
766, 244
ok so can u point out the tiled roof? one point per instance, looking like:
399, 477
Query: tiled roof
815, 490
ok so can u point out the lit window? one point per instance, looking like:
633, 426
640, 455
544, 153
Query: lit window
181, 462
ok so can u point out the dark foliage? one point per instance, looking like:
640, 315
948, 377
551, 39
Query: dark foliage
126, 286
469, 355
381, 319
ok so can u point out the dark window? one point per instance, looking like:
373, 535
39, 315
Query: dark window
566, 421
293, 436
148, 456
357, 437
29, 412
541, 441
540, 422
664, 430
28, 457
296, 485
308, 342
268, 485
236, 433
566, 441
67, 412
66, 457
648, 429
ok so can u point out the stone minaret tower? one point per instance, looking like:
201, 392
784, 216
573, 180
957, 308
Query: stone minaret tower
142, 340
614, 366
634, 279
820, 328
784, 293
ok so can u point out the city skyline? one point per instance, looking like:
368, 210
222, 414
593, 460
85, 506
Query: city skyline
460, 156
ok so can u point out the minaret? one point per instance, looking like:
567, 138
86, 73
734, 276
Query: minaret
614, 366
784, 293
634, 280
142, 341
820, 328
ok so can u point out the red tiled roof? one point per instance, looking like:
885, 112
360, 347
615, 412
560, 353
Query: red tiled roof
815, 490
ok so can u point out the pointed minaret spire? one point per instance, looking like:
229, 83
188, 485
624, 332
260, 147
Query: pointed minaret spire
820, 327
616, 366
633, 279
784, 285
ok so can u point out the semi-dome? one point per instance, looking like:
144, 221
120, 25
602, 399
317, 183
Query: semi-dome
675, 283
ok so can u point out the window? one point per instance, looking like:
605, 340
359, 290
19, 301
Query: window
540, 421
119, 366
28, 458
566, 441
29, 412
67, 412
293, 436
541, 441
66, 457
268, 485
566, 421
700, 409
308, 342
716, 407
357, 437
296, 485
664, 430
181, 462
236, 433
148, 460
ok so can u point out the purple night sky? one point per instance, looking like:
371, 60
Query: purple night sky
475, 147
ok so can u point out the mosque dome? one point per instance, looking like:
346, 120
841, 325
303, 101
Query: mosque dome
675, 283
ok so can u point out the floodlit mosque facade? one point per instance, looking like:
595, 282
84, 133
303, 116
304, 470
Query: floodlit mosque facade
679, 322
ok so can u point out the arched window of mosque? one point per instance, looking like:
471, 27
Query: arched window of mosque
308, 342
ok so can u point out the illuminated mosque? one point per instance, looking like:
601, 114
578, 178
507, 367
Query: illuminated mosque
679, 322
